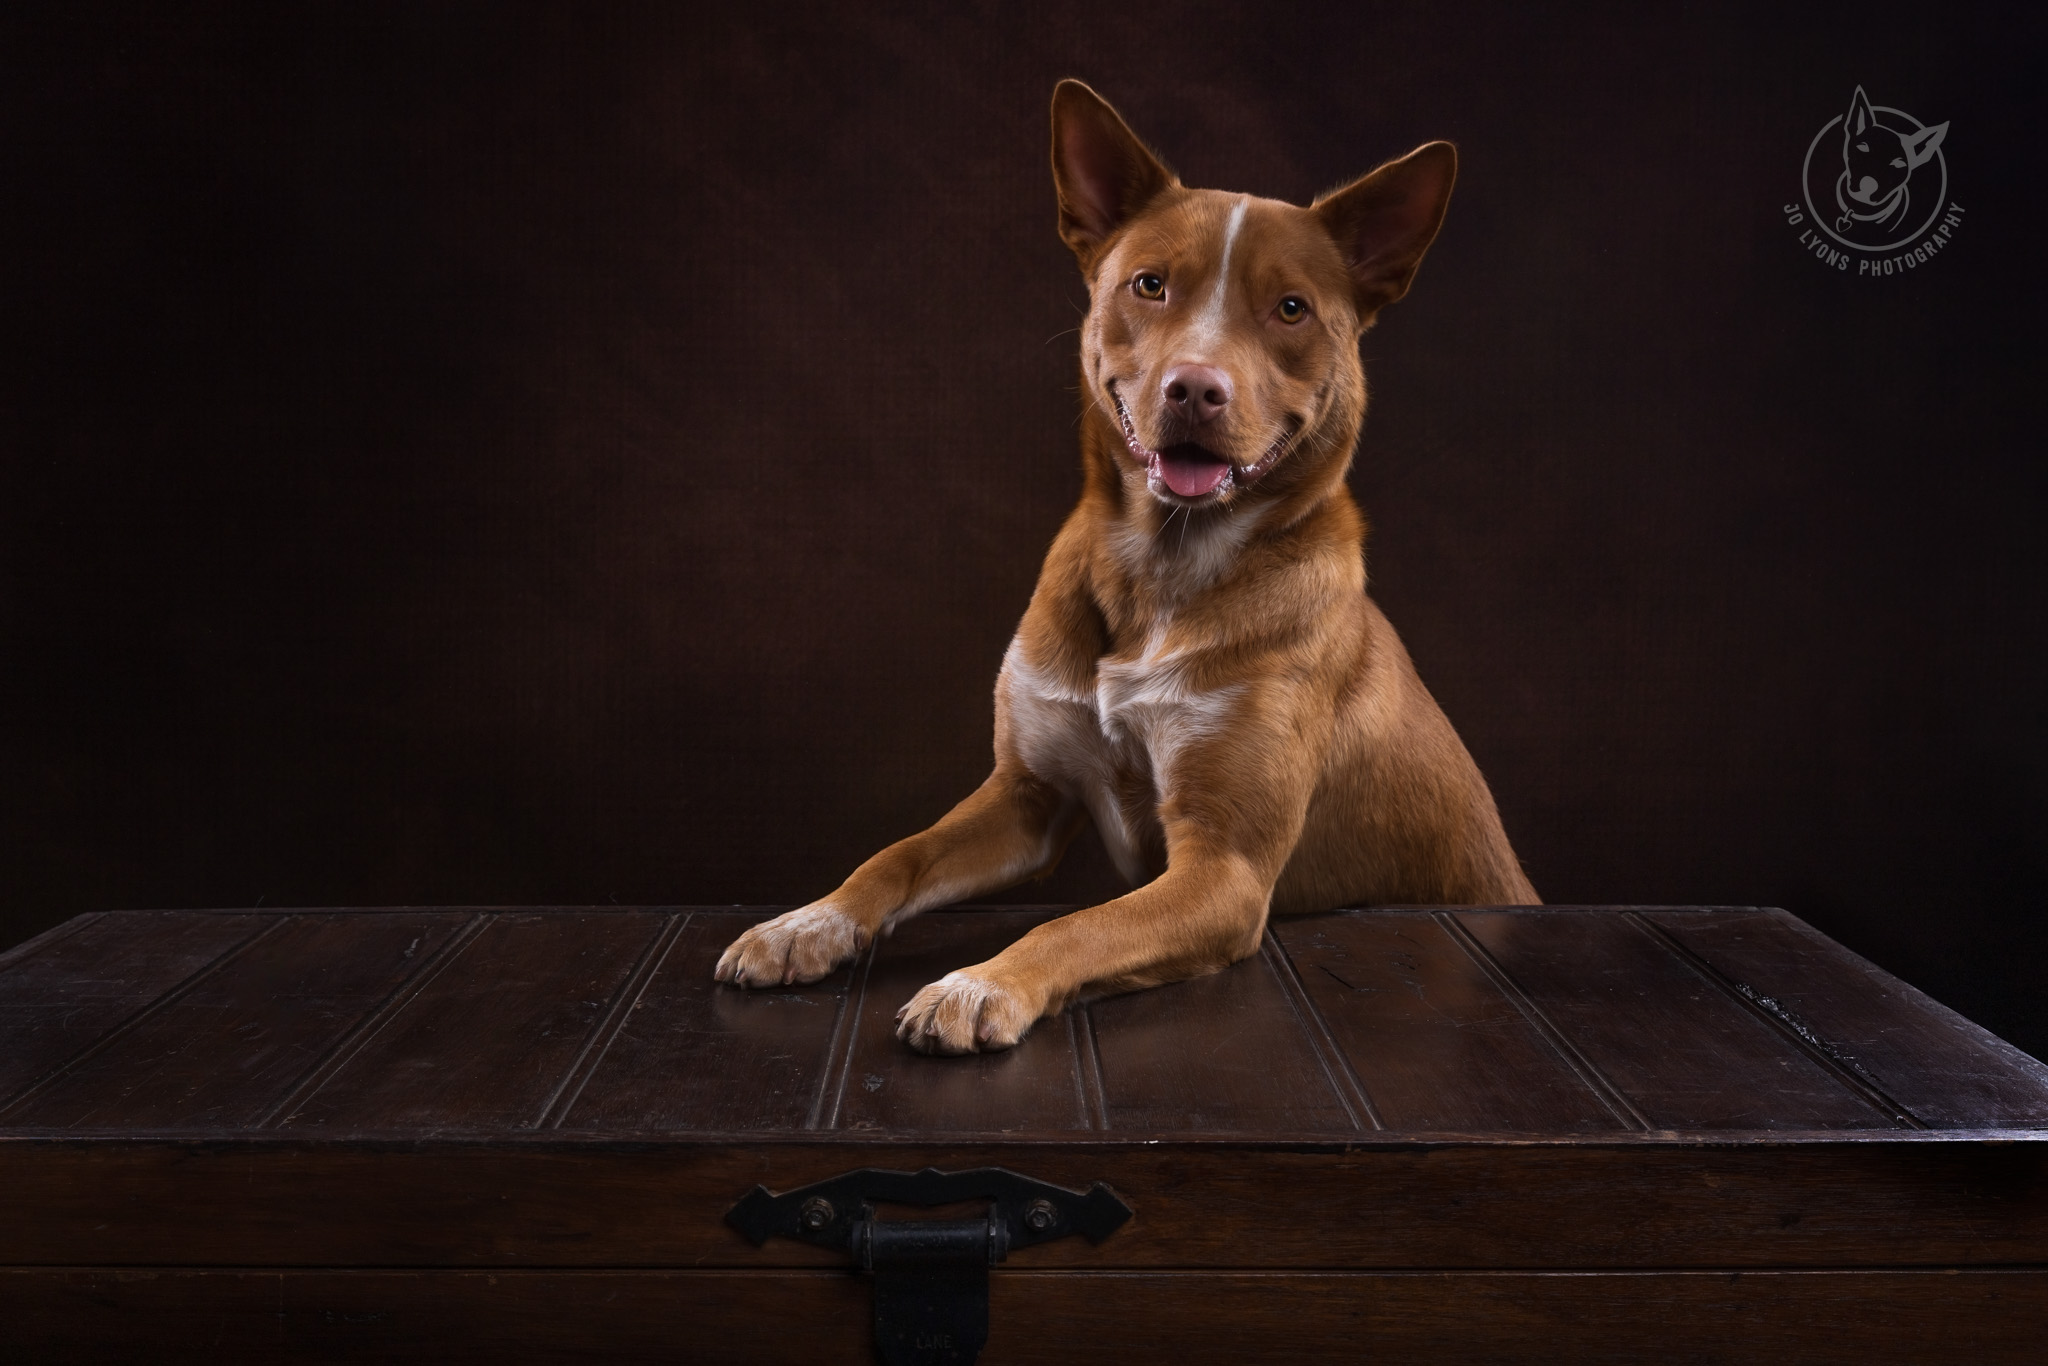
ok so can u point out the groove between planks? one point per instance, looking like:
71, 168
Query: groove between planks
1343, 1079
1088, 1067
845, 1035
565, 1095
354, 1040
129, 1023
1596, 1081
1864, 1087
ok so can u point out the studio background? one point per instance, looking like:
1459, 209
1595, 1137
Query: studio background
560, 454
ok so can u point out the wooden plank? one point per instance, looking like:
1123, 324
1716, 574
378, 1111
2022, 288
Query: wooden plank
1614, 1203
486, 1044
1062, 1079
1686, 1055
1336, 1067
231, 1048
1226, 1053
1946, 1071
597, 1043
800, 1317
1035, 1086
36, 943
693, 1055
1434, 1041
1671, 1317
76, 988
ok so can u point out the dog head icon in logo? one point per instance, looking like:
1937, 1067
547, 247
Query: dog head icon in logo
1891, 180
1877, 167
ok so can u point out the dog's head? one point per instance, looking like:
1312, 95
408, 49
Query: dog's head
1876, 160
1222, 332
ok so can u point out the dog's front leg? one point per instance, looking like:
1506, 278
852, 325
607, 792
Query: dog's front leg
1204, 913
1235, 811
1013, 827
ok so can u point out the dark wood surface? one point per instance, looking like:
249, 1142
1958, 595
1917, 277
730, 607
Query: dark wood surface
411, 1023
1200, 1203
1907, 1317
427, 1134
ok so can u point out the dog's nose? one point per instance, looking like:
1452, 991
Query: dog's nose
1196, 392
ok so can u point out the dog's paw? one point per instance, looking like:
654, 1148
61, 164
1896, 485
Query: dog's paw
964, 1012
799, 946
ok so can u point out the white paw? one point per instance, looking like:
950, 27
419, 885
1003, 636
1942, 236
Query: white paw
798, 946
964, 1013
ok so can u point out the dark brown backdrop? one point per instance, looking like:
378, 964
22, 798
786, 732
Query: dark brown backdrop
511, 453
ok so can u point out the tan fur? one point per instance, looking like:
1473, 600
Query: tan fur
1203, 677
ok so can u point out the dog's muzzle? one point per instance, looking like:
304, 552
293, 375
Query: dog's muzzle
1192, 471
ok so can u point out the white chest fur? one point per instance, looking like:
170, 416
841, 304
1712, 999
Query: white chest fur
1115, 749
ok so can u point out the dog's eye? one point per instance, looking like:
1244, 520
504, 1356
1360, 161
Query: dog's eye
1898, 161
1149, 286
1293, 310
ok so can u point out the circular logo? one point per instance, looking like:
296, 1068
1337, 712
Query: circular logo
1874, 178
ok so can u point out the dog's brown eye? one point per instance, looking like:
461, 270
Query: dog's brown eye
1149, 286
1293, 310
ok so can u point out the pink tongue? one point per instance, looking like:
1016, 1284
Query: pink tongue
1191, 477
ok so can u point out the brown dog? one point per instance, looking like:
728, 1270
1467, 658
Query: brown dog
1200, 669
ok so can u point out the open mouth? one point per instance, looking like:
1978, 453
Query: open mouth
1193, 471
1189, 470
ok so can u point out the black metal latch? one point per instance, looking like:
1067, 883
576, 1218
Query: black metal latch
931, 1275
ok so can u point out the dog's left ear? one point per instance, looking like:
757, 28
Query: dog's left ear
1384, 222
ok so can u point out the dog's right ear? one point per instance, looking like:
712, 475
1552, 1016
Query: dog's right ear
1859, 118
1103, 174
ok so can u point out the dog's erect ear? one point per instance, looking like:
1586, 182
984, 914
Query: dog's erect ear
1921, 145
1384, 222
1859, 118
1102, 172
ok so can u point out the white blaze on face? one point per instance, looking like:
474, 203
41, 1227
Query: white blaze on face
1208, 324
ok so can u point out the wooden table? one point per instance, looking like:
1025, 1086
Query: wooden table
1596, 1134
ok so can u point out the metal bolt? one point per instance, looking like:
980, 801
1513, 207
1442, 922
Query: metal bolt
816, 1213
1039, 1216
